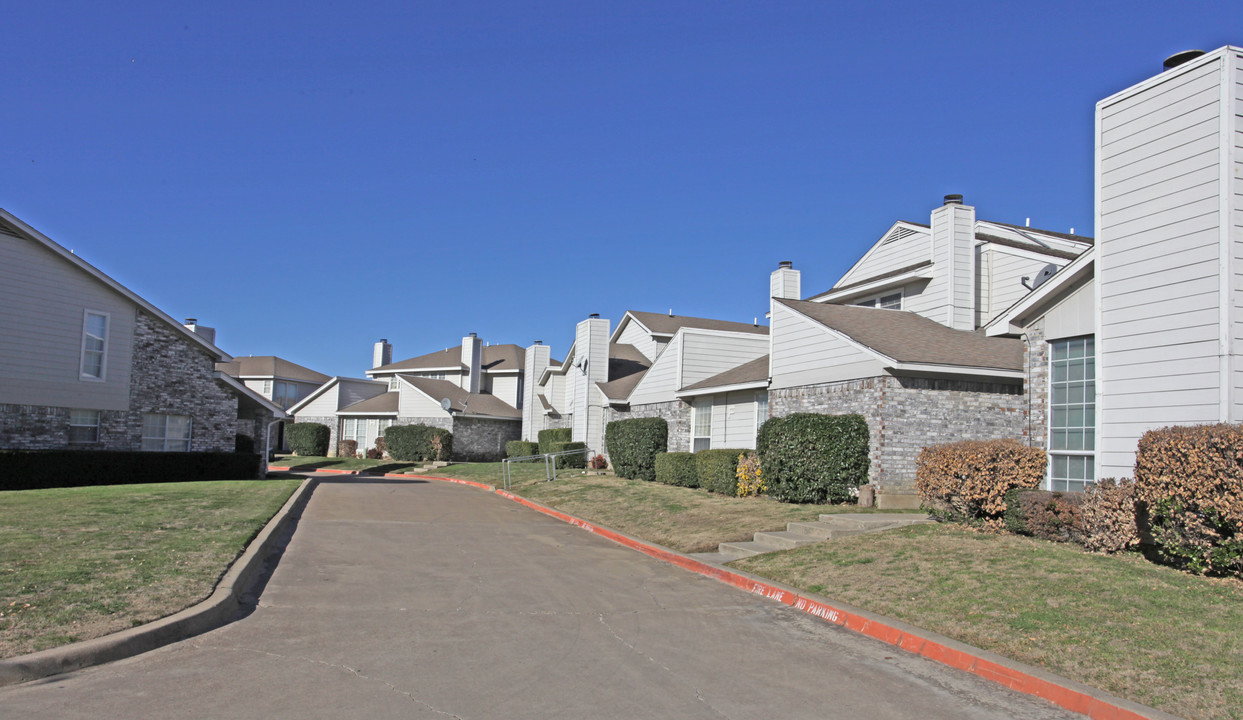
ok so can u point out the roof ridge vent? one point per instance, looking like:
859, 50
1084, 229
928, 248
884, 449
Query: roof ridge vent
897, 234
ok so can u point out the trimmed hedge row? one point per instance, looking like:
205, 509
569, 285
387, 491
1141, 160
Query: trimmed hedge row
717, 470
812, 458
676, 468
1046, 514
36, 469
967, 481
633, 445
577, 460
552, 435
418, 443
521, 448
308, 439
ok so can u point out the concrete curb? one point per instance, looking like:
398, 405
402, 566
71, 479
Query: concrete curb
218, 609
1029, 680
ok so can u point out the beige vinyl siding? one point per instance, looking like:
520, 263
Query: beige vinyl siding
257, 386
1159, 238
323, 406
353, 391
1236, 233
505, 387
413, 403
661, 380
42, 300
634, 334
891, 256
1074, 316
733, 420
592, 342
707, 354
962, 300
984, 255
805, 353
1006, 282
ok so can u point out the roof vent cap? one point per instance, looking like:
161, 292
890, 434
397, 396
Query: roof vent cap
953, 199
786, 264
1179, 58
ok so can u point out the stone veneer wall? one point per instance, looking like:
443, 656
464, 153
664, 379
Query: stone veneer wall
676, 413
173, 375
483, 440
1036, 362
906, 414
37, 427
331, 422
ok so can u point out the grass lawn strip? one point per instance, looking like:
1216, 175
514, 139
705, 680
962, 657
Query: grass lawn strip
80, 563
1138, 630
300, 463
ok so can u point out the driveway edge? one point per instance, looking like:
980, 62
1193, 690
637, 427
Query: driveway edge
1020, 677
218, 609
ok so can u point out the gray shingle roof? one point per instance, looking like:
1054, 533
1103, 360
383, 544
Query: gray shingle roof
270, 366
382, 404
627, 366
664, 324
460, 400
910, 338
748, 372
495, 357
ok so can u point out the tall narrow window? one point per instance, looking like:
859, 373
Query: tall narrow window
94, 345
761, 409
1072, 413
285, 394
702, 433
83, 427
165, 433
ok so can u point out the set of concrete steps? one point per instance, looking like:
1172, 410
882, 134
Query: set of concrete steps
797, 534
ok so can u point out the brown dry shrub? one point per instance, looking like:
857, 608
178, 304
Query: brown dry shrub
347, 448
1191, 480
1046, 514
967, 481
1108, 515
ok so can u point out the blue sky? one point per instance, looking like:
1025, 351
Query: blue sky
308, 177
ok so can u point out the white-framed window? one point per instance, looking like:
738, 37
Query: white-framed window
285, 394
165, 433
94, 362
364, 431
701, 433
392, 383
267, 389
1072, 413
432, 375
761, 409
889, 301
83, 427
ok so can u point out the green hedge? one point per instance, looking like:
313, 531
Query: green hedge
416, 443
548, 437
578, 460
521, 448
633, 445
35, 469
308, 439
676, 468
811, 458
718, 470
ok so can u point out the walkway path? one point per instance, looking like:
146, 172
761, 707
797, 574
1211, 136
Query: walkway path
419, 599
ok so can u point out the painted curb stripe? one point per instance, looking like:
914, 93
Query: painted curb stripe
1016, 680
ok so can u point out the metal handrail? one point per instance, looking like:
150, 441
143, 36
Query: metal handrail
550, 464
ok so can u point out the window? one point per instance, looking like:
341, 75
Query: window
892, 301
1072, 413
267, 389
165, 433
94, 345
431, 375
286, 394
364, 431
392, 383
83, 427
761, 409
701, 435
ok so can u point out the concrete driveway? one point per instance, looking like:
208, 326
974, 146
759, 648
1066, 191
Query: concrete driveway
418, 599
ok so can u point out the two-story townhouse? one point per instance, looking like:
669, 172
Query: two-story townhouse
85, 362
474, 390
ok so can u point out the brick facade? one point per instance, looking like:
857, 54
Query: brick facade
483, 440
906, 414
1036, 363
677, 413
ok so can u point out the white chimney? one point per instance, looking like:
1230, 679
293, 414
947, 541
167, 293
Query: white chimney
208, 334
953, 256
472, 358
535, 363
785, 281
382, 354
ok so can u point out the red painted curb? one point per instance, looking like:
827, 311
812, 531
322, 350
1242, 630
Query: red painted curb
327, 470
1015, 679
278, 467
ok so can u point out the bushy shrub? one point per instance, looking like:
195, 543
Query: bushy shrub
676, 468
1191, 479
35, 469
308, 439
1109, 516
750, 476
967, 481
243, 443
1045, 514
347, 448
419, 443
381, 446
718, 470
577, 460
521, 448
811, 458
375, 454
633, 445
548, 437
599, 462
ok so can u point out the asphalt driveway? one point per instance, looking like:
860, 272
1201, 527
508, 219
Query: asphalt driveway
418, 599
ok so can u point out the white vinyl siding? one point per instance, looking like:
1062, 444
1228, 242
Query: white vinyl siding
661, 380
83, 427
805, 352
1162, 227
354, 391
707, 354
734, 419
1075, 315
890, 256
1072, 413
1006, 272
166, 433
414, 403
506, 388
634, 334
42, 303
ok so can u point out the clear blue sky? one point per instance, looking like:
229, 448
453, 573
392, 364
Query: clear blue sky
309, 176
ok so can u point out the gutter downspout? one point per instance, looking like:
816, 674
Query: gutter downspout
267, 448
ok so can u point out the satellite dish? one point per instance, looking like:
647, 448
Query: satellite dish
446, 404
1045, 273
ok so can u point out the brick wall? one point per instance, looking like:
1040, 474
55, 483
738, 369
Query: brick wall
905, 414
479, 439
676, 413
37, 427
1036, 362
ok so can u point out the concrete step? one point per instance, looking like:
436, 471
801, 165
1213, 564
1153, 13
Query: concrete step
822, 530
784, 539
797, 534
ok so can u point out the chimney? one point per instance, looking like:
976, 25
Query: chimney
208, 334
953, 257
472, 358
535, 363
785, 281
382, 354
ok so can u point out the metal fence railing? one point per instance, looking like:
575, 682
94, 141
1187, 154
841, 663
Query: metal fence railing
550, 463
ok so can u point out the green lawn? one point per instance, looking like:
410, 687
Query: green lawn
78, 563
312, 463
